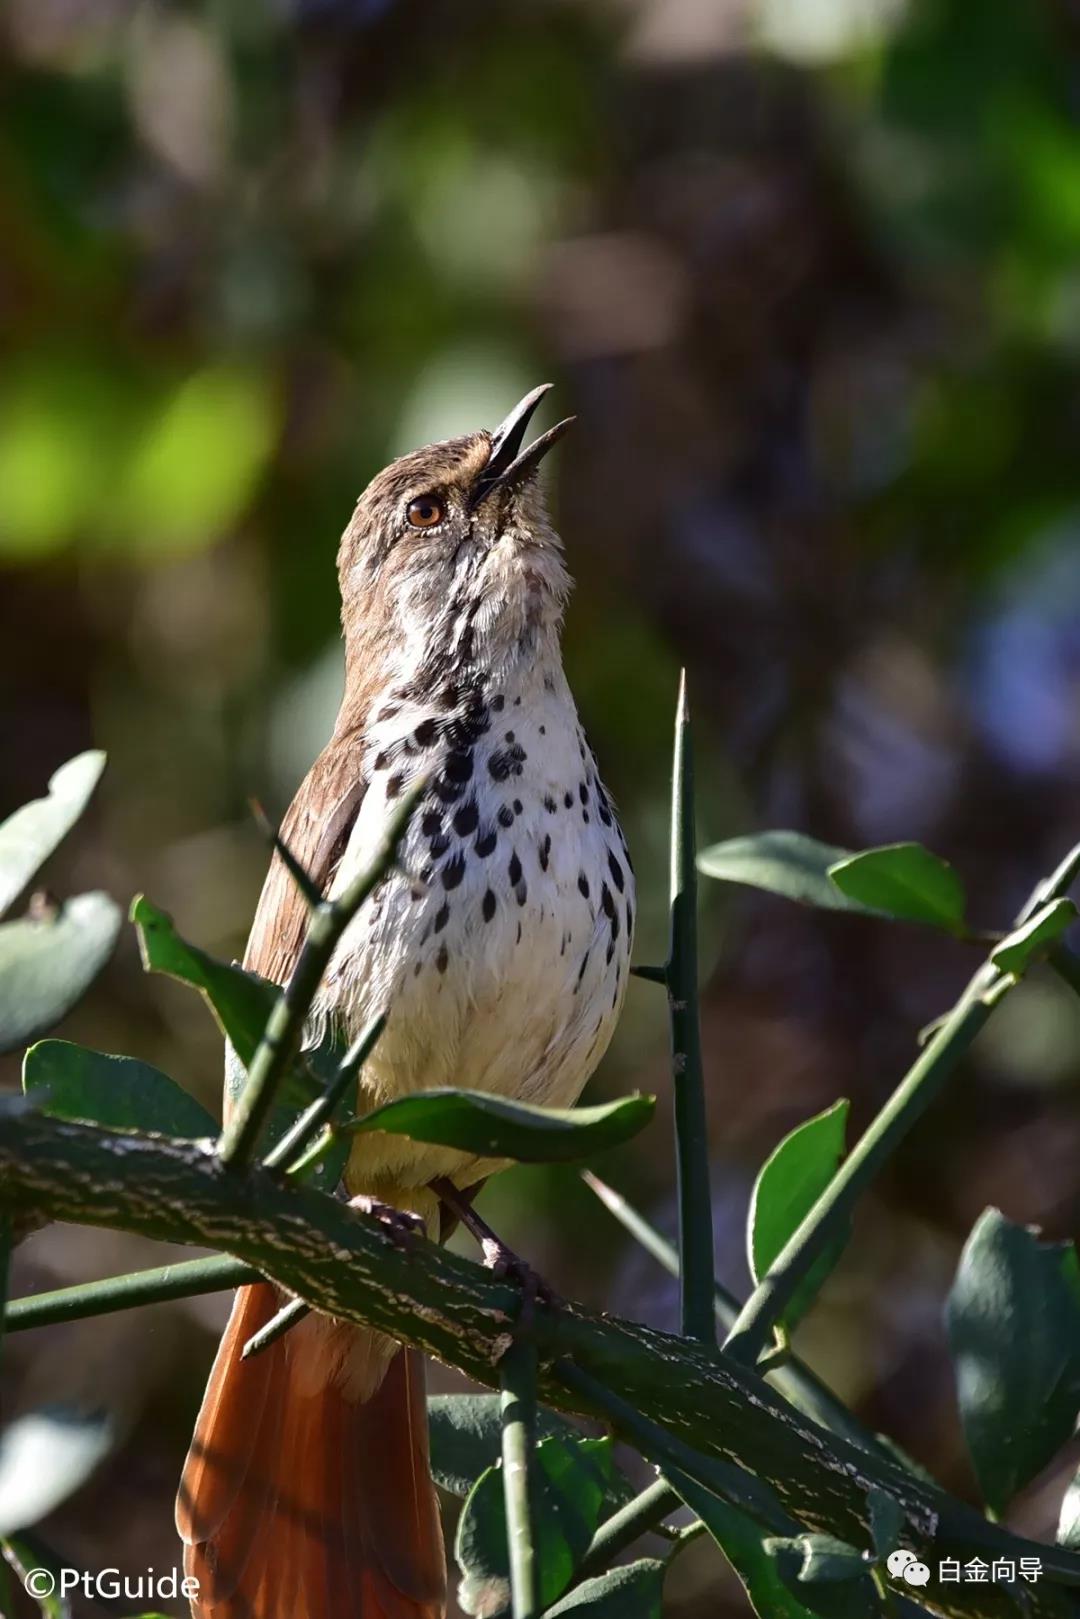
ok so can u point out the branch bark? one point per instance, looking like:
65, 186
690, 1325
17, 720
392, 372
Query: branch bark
343, 1263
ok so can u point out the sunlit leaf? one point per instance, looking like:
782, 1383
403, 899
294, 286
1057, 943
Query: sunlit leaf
1015, 953
498, 1128
70, 1082
571, 1480
789, 1183
632, 1591
29, 836
45, 1456
785, 863
827, 1575
905, 881
465, 1431
48, 962
1014, 1331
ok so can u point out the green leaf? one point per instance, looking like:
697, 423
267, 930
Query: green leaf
70, 1082
1015, 953
45, 1456
829, 1576
48, 963
465, 1433
494, 1127
633, 1591
905, 881
742, 1543
785, 863
1014, 1330
240, 1001
28, 837
571, 1480
790, 1182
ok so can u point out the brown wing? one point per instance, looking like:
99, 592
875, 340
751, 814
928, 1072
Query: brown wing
316, 829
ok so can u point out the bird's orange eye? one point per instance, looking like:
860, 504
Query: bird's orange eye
425, 511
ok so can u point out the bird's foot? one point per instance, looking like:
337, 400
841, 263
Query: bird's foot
402, 1226
503, 1262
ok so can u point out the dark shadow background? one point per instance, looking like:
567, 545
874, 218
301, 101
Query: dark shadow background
807, 272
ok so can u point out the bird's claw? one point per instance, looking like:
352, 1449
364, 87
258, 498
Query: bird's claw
503, 1262
402, 1226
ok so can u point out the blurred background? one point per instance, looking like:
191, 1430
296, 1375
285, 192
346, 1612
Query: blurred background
807, 272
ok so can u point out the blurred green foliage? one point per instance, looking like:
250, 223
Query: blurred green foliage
807, 275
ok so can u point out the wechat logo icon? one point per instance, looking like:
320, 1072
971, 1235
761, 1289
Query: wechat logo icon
904, 1565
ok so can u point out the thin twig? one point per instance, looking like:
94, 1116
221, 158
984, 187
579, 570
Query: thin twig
517, 1405
638, 1517
691, 1131
186, 1280
275, 1328
290, 1149
285, 1025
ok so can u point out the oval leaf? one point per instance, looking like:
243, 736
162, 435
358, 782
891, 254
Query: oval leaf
465, 1433
46, 1456
47, 964
494, 1127
1013, 1316
70, 1082
905, 881
785, 863
240, 1001
633, 1591
790, 1182
1015, 953
570, 1484
28, 837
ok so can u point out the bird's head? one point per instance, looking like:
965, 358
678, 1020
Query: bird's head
450, 554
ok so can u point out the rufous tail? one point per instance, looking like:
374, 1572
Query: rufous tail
300, 1502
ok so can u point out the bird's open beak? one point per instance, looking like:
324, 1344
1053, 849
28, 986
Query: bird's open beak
508, 462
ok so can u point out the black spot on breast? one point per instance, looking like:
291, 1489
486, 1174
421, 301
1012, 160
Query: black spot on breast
545, 852
442, 916
605, 812
629, 919
568, 800
550, 804
394, 784
388, 711
543, 730
381, 760
607, 902
518, 939
442, 959
509, 736
585, 816
517, 806
416, 969
488, 906
426, 732
431, 825
453, 871
581, 971
610, 952
439, 846
506, 762
583, 792
467, 818
485, 843
448, 791
616, 872
583, 884
498, 703
521, 892
505, 816
514, 869
459, 765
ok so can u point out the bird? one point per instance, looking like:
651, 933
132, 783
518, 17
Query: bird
498, 949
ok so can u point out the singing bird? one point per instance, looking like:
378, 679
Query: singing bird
499, 949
